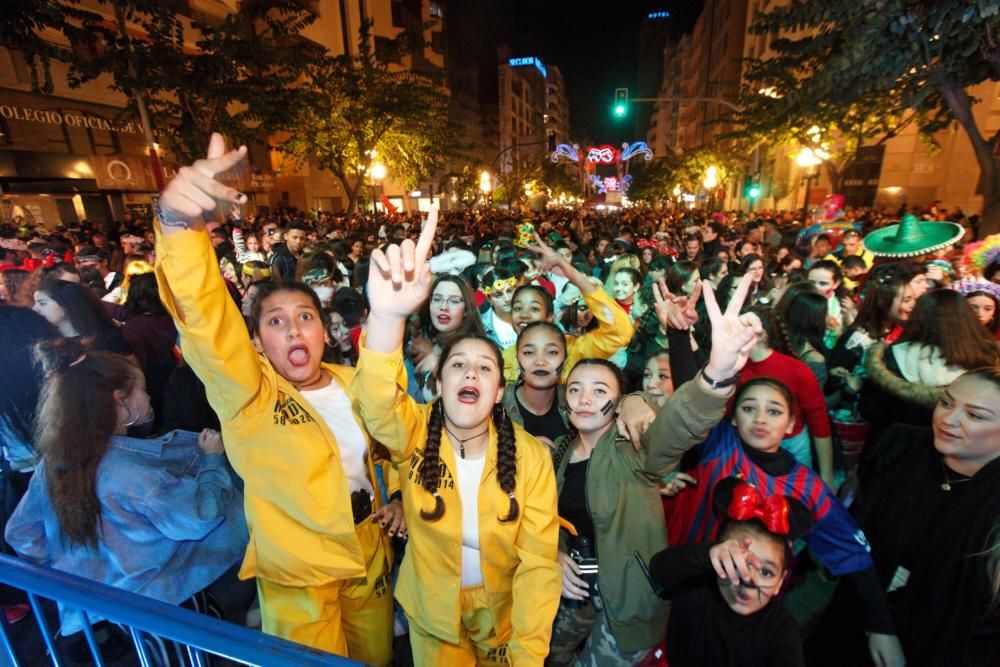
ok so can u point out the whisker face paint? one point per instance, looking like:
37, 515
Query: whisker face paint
608, 407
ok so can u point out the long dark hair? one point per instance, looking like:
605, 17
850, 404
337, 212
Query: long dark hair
144, 296
569, 438
430, 467
884, 284
77, 415
471, 324
83, 309
803, 310
941, 318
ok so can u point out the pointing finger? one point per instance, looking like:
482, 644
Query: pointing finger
216, 146
426, 238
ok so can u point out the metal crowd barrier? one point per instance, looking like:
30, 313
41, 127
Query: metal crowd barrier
143, 618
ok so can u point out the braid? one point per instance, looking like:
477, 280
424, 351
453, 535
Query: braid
784, 335
430, 467
506, 459
563, 447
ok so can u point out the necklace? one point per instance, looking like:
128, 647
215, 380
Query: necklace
946, 485
461, 442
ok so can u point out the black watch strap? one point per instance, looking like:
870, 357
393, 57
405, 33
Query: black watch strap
720, 384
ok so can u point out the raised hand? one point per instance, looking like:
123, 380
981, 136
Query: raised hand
733, 559
194, 191
676, 312
548, 258
733, 335
399, 279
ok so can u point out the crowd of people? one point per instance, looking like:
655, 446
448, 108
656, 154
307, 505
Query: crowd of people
384, 426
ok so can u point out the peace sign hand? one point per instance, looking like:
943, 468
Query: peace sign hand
548, 258
675, 312
194, 191
399, 278
733, 335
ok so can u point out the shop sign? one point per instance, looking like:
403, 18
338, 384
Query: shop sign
69, 119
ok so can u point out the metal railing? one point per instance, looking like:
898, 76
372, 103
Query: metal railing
143, 619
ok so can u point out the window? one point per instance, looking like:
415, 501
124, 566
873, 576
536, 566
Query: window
436, 11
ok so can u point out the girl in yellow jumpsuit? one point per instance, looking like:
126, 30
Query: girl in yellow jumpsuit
479, 582
322, 568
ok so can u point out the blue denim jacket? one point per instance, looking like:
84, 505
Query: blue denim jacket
171, 521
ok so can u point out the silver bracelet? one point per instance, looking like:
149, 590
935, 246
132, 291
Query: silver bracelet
168, 219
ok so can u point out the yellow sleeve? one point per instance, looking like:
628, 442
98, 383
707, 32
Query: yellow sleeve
510, 370
614, 331
214, 338
390, 414
537, 582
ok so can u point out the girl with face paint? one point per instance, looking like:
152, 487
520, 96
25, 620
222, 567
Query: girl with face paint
479, 582
532, 303
537, 400
749, 445
609, 494
723, 594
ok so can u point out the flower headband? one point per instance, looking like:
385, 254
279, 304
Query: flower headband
265, 271
971, 286
499, 284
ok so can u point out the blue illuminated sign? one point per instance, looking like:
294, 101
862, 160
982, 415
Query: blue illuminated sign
531, 60
658, 15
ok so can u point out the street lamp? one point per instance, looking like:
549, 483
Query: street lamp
711, 177
378, 173
809, 158
485, 182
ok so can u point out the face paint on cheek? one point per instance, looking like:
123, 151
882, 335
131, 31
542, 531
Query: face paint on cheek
608, 407
559, 368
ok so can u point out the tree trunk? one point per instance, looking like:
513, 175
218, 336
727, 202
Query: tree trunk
989, 175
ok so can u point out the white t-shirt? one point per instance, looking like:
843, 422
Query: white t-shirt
469, 473
334, 407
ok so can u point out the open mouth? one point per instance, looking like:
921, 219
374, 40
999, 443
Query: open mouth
298, 356
444, 319
468, 395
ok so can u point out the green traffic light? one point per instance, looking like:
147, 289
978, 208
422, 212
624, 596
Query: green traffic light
619, 109
754, 192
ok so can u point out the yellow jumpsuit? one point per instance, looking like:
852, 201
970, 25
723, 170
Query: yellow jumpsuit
508, 619
321, 580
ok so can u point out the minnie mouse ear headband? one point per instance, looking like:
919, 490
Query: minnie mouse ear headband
971, 286
735, 499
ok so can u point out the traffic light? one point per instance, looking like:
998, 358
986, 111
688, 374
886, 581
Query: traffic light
621, 102
751, 187
753, 191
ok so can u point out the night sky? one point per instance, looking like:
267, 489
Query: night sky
595, 44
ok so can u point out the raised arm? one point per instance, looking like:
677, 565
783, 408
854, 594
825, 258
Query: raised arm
213, 336
687, 416
399, 281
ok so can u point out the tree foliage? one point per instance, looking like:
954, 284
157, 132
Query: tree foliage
866, 68
358, 110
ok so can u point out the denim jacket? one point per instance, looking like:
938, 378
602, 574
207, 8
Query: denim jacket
171, 521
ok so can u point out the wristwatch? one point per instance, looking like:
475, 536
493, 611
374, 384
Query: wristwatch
168, 219
720, 384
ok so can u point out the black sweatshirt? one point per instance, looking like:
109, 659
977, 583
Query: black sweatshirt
703, 630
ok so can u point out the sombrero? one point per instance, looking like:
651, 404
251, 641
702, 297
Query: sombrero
911, 237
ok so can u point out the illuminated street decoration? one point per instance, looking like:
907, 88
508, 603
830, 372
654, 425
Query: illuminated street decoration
565, 150
629, 151
530, 60
602, 154
658, 15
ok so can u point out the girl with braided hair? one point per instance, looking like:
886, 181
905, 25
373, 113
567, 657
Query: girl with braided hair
479, 582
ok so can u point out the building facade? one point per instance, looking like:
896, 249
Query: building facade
522, 101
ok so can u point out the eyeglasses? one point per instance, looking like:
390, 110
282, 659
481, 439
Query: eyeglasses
452, 301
